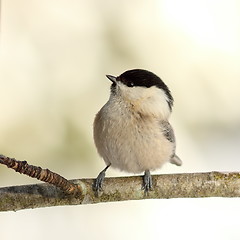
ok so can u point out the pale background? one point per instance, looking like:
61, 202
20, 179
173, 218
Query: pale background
54, 57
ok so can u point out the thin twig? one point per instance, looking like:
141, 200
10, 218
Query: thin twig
44, 175
187, 185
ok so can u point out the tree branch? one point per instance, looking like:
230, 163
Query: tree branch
44, 175
187, 185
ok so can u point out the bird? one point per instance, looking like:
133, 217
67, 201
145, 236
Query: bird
131, 131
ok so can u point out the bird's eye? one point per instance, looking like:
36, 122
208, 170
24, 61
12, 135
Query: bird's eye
130, 84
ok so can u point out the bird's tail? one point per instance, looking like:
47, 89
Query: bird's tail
176, 160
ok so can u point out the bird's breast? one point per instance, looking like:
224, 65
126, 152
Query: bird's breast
130, 140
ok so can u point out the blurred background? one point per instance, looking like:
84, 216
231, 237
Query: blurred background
54, 58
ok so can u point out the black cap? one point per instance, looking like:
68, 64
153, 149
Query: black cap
144, 78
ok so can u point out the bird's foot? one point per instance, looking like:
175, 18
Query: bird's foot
147, 181
98, 182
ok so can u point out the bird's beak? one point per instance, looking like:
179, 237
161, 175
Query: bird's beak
112, 78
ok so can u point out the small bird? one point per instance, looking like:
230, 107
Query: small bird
131, 131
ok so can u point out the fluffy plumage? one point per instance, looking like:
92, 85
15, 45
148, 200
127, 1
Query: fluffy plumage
131, 131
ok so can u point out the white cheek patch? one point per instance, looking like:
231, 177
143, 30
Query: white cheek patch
157, 102
151, 100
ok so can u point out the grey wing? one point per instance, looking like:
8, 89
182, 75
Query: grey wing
168, 131
169, 134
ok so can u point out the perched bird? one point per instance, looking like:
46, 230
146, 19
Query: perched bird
131, 131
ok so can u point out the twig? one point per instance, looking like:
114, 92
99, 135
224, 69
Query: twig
44, 175
187, 185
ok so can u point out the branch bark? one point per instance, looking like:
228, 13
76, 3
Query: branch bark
44, 175
187, 185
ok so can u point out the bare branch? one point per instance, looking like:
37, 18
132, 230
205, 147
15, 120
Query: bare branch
44, 175
187, 185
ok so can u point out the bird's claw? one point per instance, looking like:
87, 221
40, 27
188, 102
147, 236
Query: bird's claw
147, 181
98, 183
